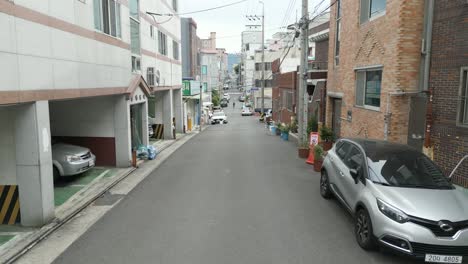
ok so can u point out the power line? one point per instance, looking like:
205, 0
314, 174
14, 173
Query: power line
198, 11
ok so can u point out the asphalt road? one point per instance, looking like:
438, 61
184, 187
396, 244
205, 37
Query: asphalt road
231, 195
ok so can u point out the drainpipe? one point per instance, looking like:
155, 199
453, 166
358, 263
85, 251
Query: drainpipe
428, 22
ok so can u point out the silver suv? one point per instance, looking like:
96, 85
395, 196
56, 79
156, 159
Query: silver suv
399, 198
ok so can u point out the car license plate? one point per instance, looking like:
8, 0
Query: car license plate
443, 259
91, 163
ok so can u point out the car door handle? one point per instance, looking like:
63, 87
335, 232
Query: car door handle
341, 173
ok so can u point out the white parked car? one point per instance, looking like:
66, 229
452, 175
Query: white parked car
246, 111
219, 118
227, 96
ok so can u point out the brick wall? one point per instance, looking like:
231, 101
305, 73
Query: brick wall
449, 54
321, 50
283, 81
393, 41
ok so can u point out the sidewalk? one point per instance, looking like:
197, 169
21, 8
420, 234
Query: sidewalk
74, 196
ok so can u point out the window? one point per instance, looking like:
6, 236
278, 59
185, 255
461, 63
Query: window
257, 66
355, 159
175, 50
162, 41
258, 83
136, 64
342, 150
174, 5
267, 66
135, 36
368, 87
152, 31
247, 46
150, 76
338, 33
107, 17
463, 102
371, 9
268, 83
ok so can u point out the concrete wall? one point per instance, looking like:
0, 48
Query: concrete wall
7, 146
34, 56
90, 117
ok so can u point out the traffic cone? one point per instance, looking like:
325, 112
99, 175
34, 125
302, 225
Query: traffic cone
310, 159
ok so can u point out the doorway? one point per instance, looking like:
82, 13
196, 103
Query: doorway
336, 117
136, 125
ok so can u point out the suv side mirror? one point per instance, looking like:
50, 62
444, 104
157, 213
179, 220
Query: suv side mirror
355, 174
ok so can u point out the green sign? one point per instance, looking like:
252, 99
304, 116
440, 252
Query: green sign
186, 88
191, 88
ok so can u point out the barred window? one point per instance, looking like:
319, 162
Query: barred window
107, 17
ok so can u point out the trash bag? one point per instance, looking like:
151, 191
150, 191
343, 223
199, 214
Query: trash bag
142, 151
151, 152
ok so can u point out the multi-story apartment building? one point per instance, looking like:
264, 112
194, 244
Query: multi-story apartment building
81, 72
190, 48
447, 113
214, 60
374, 63
251, 41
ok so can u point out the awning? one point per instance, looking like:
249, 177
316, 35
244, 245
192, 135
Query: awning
192, 97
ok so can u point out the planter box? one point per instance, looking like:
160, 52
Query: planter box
318, 165
303, 153
285, 136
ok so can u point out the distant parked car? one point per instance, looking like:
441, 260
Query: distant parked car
219, 118
227, 96
69, 160
241, 98
246, 111
399, 199
223, 103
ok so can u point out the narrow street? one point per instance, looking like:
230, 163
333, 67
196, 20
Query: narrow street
232, 194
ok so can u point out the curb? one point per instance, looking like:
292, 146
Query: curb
23, 245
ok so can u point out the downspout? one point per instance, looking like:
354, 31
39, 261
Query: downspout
429, 18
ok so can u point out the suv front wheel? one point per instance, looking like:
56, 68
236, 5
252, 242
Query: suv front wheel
363, 230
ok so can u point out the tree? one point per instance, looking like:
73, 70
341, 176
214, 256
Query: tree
215, 97
236, 69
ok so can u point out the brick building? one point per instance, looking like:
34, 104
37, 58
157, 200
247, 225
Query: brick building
373, 69
448, 85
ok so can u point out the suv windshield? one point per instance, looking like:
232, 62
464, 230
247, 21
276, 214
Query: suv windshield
401, 166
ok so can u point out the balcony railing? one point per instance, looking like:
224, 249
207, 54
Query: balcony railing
318, 66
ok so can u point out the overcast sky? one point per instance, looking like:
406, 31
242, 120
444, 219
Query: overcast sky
229, 22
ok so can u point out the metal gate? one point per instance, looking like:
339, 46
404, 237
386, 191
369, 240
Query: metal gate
417, 121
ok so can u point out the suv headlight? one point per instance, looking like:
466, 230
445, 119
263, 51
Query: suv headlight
73, 158
392, 212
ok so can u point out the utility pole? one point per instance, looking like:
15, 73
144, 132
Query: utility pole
263, 57
302, 101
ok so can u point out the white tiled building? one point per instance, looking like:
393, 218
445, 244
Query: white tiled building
87, 72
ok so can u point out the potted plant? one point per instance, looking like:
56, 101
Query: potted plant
318, 157
285, 132
303, 150
327, 136
294, 126
278, 129
312, 125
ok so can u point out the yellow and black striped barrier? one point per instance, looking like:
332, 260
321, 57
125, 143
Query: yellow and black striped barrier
9, 205
158, 131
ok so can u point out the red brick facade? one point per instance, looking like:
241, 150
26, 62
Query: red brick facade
284, 82
449, 55
391, 41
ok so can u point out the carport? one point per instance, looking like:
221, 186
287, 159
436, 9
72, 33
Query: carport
101, 123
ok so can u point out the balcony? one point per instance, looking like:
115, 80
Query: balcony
317, 66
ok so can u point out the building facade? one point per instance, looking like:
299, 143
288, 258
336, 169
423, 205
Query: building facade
80, 72
447, 116
251, 41
374, 69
